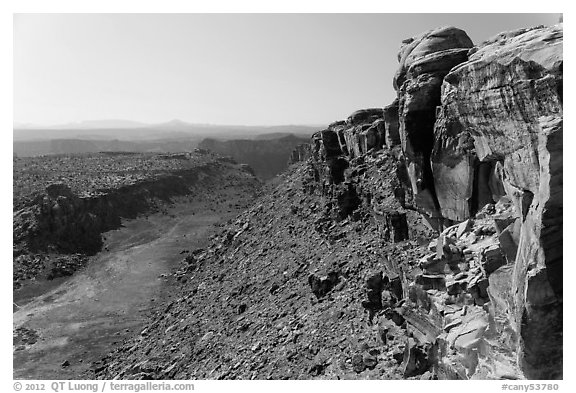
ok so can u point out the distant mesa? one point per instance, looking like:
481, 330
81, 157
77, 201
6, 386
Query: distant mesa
268, 155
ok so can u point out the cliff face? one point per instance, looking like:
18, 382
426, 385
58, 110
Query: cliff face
267, 157
499, 135
424, 62
476, 135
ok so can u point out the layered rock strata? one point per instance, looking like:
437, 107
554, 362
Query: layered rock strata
471, 128
499, 134
424, 62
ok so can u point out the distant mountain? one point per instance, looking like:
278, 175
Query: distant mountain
175, 124
134, 131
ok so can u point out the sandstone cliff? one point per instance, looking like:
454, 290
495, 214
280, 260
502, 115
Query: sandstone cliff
479, 127
498, 136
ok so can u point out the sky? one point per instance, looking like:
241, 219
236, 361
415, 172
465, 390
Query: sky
229, 69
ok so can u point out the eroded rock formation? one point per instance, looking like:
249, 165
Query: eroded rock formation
424, 62
476, 128
497, 136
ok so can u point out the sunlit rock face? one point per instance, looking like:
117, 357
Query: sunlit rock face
424, 61
499, 133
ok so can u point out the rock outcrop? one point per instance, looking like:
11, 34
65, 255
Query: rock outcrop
300, 153
476, 128
424, 62
499, 134
484, 125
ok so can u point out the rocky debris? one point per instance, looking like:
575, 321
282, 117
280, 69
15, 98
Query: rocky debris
415, 359
27, 266
283, 297
66, 265
458, 300
23, 336
383, 291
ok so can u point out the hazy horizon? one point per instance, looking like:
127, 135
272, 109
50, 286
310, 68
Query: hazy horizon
218, 69
126, 123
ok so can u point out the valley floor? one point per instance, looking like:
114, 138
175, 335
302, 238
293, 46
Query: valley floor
60, 330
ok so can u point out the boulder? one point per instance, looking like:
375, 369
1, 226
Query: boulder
433, 41
463, 227
430, 281
430, 264
322, 285
358, 363
364, 116
492, 258
415, 360
370, 359
397, 226
374, 288
478, 288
